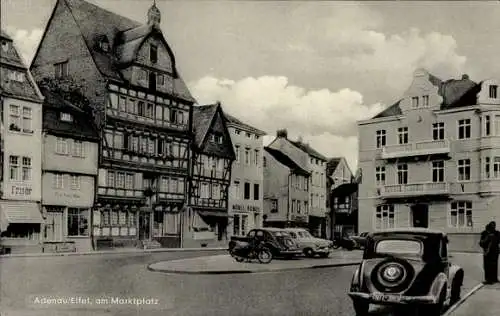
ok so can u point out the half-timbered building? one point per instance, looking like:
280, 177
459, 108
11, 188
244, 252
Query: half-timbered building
143, 110
213, 155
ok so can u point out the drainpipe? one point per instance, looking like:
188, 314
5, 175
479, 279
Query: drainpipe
288, 217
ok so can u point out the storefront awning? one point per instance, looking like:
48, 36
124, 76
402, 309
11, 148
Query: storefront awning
345, 189
20, 213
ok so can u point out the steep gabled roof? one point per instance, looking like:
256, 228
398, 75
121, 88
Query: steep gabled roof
203, 116
234, 121
95, 22
393, 110
11, 56
332, 164
286, 161
308, 149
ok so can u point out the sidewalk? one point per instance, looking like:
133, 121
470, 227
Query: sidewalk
112, 251
485, 301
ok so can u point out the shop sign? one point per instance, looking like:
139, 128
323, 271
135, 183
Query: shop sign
67, 195
21, 190
238, 207
251, 208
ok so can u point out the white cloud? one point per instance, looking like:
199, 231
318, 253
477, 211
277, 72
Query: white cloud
324, 118
26, 41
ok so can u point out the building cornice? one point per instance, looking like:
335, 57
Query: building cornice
380, 120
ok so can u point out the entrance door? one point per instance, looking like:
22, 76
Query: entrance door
54, 226
420, 215
144, 225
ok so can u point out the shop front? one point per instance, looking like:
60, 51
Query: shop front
20, 227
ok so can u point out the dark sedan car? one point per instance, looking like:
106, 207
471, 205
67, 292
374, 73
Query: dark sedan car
406, 267
277, 240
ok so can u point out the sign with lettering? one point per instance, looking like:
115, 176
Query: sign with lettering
67, 195
21, 190
252, 208
238, 207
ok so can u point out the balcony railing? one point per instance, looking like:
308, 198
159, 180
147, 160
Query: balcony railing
124, 193
209, 173
428, 147
145, 120
415, 189
145, 160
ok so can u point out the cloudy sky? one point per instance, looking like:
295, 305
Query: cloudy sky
314, 68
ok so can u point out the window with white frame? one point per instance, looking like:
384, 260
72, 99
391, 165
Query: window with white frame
464, 170
78, 148
380, 175
14, 167
384, 216
27, 119
15, 118
414, 102
62, 146
61, 70
496, 167
403, 135
438, 131
487, 167
402, 173
381, 138
493, 91
425, 100
75, 182
26, 176
247, 156
487, 125
464, 129
257, 157
66, 117
237, 152
461, 214
58, 181
438, 171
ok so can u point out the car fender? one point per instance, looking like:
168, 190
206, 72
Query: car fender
356, 281
440, 282
455, 272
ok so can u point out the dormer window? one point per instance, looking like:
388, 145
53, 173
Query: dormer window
104, 44
66, 117
216, 138
425, 100
16, 76
5, 46
61, 70
493, 91
153, 53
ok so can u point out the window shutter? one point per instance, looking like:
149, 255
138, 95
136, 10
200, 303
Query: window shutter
102, 177
138, 181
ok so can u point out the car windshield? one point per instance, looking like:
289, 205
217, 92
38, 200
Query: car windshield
304, 234
394, 246
278, 233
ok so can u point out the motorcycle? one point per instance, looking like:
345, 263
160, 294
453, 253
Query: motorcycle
247, 251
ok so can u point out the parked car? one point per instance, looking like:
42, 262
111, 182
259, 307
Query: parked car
310, 245
277, 240
359, 240
406, 267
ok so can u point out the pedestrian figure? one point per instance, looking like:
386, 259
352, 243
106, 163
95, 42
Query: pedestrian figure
490, 239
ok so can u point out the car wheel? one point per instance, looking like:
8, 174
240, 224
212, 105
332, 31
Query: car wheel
308, 252
361, 308
324, 255
455, 290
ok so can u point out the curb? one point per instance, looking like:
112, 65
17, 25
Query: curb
463, 299
218, 272
105, 252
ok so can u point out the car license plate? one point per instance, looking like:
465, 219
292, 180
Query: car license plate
388, 298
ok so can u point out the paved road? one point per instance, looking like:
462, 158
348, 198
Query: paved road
302, 292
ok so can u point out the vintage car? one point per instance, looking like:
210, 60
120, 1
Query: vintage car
406, 268
310, 245
277, 240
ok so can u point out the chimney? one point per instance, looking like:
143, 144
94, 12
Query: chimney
283, 133
465, 77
